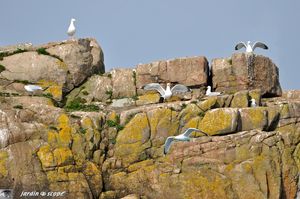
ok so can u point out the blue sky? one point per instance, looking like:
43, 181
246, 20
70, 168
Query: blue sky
139, 31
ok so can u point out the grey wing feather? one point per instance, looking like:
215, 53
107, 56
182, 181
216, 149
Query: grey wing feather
190, 130
168, 143
155, 86
240, 45
179, 88
260, 45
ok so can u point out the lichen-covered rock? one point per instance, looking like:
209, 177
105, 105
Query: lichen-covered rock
191, 71
246, 72
220, 121
240, 100
96, 88
150, 98
123, 82
58, 67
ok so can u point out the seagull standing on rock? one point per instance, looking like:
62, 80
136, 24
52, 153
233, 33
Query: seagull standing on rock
249, 48
253, 103
168, 92
182, 137
32, 88
209, 93
71, 30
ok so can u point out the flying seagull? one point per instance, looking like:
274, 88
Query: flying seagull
182, 137
209, 93
249, 48
71, 30
253, 103
168, 92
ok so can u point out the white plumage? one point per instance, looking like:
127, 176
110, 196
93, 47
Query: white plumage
253, 103
182, 137
209, 93
32, 88
71, 30
249, 48
168, 92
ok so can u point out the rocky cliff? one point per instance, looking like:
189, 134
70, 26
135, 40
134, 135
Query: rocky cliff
99, 135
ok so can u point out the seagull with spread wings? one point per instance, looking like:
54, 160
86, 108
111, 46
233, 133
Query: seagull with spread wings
249, 48
168, 92
182, 137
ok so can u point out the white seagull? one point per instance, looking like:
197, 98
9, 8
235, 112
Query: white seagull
71, 30
253, 103
249, 48
182, 137
168, 92
32, 88
209, 93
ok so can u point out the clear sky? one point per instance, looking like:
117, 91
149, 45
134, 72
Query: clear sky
140, 31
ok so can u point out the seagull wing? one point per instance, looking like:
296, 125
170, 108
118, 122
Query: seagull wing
34, 87
190, 130
168, 143
179, 88
260, 45
155, 86
240, 45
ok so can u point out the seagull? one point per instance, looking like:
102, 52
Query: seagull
71, 29
209, 93
32, 88
253, 103
166, 94
249, 48
182, 137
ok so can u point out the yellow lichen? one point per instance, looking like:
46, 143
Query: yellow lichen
53, 88
3, 163
63, 156
62, 65
46, 156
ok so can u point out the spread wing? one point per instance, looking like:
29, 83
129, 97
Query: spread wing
190, 130
260, 45
179, 88
168, 143
155, 86
240, 45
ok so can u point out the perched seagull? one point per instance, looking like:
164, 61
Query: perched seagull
253, 103
182, 137
166, 94
32, 88
209, 93
71, 29
249, 48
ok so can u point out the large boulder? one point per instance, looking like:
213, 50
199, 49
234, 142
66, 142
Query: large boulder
191, 71
244, 71
58, 67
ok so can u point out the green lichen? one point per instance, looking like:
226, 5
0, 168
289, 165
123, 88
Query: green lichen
43, 51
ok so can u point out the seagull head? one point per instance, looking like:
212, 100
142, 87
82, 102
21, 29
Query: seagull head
248, 42
73, 20
169, 84
253, 100
209, 88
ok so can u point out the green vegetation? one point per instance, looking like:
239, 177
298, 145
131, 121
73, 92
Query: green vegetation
78, 105
18, 107
43, 51
115, 123
109, 93
135, 97
201, 114
21, 81
109, 75
82, 130
183, 106
2, 68
5, 54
